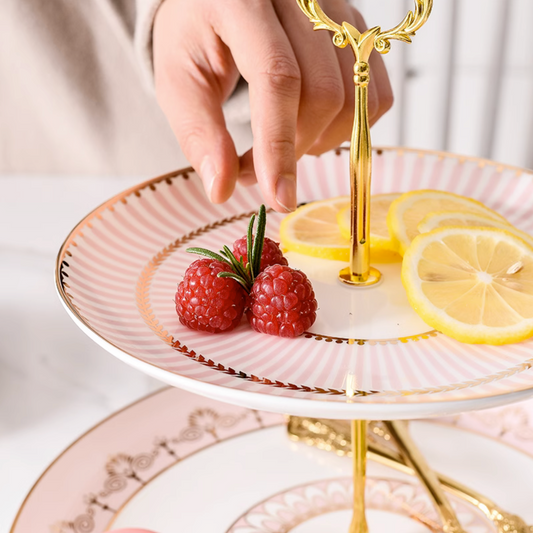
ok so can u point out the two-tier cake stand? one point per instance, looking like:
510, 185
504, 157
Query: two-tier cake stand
367, 357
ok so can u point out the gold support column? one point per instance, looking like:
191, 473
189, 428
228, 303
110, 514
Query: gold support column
359, 452
359, 272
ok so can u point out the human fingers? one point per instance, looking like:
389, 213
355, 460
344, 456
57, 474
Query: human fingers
267, 62
247, 175
194, 75
322, 94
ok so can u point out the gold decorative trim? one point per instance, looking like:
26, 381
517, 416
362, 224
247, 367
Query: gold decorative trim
149, 317
122, 469
387, 501
440, 155
73, 444
123, 505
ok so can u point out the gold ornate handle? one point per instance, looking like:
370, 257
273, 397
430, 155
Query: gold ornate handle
322, 22
412, 22
359, 272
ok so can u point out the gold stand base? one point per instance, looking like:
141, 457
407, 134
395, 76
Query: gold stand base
347, 277
396, 449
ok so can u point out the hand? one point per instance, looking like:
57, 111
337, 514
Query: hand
301, 88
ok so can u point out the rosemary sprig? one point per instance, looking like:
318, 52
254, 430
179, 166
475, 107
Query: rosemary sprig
207, 253
259, 240
245, 275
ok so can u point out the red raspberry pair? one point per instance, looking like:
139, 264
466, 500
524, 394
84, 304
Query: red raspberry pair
255, 279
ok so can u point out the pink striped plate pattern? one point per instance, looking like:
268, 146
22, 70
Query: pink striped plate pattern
117, 274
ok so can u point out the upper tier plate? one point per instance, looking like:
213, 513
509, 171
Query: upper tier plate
118, 269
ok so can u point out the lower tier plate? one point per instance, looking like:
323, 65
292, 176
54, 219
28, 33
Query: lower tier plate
175, 461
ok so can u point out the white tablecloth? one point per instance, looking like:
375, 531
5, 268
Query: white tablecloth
54, 382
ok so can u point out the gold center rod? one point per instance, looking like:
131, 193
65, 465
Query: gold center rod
361, 171
359, 272
359, 452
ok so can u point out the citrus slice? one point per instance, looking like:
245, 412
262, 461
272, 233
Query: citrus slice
457, 218
382, 247
313, 230
409, 210
473, 284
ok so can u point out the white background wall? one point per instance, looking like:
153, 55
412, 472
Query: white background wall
465, 84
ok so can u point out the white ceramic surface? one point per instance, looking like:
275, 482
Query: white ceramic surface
118, 270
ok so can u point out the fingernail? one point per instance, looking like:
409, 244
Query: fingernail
286, 192
209, 174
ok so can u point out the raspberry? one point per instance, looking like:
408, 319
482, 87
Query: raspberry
278, 299
206, 302
271, 255
282, 302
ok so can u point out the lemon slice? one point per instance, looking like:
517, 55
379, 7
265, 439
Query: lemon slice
409, 210
473, 284
441, 219
457, 218
313, 230
382, 247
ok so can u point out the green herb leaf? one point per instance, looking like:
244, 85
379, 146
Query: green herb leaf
244, 275
227, 256
249, 241
236, 265
209, 254
234, 276
259, 241
244, 270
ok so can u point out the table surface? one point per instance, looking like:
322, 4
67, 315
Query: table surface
55, 383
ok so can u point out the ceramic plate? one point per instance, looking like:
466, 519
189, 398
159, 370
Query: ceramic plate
117, 274
175, 461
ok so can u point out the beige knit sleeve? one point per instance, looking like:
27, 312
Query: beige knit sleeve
144, 22
236, 109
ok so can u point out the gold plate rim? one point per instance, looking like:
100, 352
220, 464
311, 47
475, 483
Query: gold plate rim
431, 394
